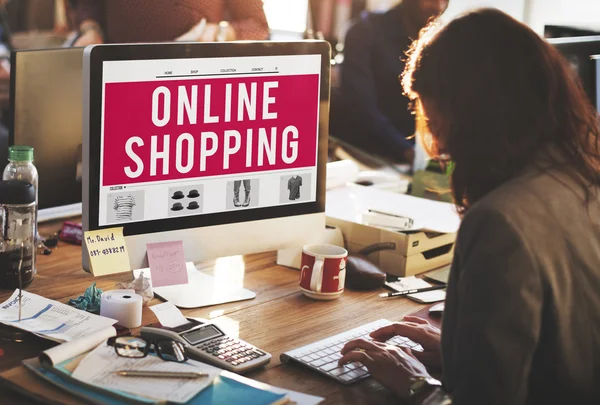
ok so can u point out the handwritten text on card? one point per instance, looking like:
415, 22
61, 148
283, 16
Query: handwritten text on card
108, 251
167, 263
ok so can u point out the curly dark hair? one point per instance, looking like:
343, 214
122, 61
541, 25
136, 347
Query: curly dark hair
499, 94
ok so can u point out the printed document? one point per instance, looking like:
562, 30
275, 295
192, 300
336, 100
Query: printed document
50, 319
99, 367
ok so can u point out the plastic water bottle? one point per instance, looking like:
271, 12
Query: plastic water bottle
20, 167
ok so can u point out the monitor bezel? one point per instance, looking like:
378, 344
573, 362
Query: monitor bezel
582, 47
99, 54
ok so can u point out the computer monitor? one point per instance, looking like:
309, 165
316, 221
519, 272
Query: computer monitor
46, 114
562, 31
578, 52
221, 146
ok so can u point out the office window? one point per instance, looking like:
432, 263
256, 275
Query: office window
288, 15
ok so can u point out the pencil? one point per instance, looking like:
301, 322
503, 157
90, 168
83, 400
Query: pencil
160, 374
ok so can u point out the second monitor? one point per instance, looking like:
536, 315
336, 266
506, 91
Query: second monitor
579, 51
46, 115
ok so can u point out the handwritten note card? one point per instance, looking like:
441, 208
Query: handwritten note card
167, 263
108, 251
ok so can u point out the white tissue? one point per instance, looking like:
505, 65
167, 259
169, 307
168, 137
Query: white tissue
140, 285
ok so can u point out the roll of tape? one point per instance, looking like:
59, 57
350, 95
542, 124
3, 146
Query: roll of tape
123, 305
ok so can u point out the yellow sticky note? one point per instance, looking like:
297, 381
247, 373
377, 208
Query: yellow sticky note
108, 251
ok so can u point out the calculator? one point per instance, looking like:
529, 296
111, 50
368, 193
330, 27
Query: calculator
207, 343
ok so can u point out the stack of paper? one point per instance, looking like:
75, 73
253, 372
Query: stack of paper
87, 367
51, 319
99, 368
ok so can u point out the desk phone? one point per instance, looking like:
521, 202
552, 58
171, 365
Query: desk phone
206, 342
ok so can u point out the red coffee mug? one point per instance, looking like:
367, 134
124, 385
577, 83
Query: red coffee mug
323, 271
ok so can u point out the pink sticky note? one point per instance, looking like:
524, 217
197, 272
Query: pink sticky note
167, 263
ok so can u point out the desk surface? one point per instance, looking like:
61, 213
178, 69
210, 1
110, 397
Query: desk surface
280, 318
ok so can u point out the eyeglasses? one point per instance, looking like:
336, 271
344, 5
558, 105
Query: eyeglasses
137, 348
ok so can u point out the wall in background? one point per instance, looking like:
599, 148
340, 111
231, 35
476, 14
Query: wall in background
381, 5
573, 13
514, 8
536, 13
456, 7
289, 15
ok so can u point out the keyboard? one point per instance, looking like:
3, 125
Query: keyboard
322, 356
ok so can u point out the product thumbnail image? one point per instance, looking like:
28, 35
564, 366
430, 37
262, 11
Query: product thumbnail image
124, 207
294, 184
236, 193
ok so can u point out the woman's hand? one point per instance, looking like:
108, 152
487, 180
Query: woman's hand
420, 331
393, 366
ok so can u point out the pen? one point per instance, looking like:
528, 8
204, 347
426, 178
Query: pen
389, 214
160, 374
415, 290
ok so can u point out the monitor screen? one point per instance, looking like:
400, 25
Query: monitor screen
46, 115
578, 51
197, 136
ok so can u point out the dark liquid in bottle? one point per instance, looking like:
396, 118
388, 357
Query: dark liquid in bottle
9, 268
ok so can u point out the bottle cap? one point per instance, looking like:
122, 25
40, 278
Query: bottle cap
16, 192
20, 153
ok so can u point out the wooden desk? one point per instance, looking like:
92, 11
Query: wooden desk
280, 318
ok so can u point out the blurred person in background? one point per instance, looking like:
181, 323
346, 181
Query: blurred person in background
126, 21
370, 111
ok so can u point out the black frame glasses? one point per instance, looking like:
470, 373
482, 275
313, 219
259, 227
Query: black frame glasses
134, 347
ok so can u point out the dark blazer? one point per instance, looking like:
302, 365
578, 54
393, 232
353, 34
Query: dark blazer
522, 317
370, 109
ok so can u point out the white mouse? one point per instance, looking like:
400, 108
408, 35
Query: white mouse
437, 309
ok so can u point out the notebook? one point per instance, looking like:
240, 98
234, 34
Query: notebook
227, 388
57, 365
407, 283
428, 297
439, 275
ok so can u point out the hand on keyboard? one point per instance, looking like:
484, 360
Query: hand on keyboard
391, 365
419, 331
323, 355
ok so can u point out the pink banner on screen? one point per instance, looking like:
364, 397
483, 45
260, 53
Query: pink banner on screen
249, 124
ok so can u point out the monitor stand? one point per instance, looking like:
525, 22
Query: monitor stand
202, 289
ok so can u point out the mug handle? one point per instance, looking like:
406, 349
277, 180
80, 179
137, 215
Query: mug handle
316, 278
